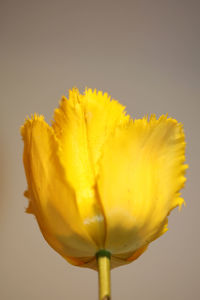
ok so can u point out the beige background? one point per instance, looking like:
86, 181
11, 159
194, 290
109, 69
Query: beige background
145, 54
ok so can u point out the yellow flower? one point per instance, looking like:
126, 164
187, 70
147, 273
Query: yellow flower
99, 180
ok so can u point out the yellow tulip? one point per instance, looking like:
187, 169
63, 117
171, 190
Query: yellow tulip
99, 180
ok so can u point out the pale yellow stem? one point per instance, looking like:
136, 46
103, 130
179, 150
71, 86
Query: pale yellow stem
103, 260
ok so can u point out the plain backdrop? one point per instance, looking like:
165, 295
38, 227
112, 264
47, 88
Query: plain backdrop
146, 54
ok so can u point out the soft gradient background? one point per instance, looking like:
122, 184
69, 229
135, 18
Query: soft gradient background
145, 54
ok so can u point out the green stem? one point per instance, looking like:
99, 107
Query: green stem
103, 261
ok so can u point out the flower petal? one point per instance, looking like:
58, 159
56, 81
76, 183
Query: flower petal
52, 199
141, 173
103, 116
83, 124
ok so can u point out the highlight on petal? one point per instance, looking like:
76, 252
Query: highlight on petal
52, 199
141, 173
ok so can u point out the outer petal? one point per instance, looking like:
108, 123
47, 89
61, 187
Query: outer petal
52, 200
141, 173
83, 124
